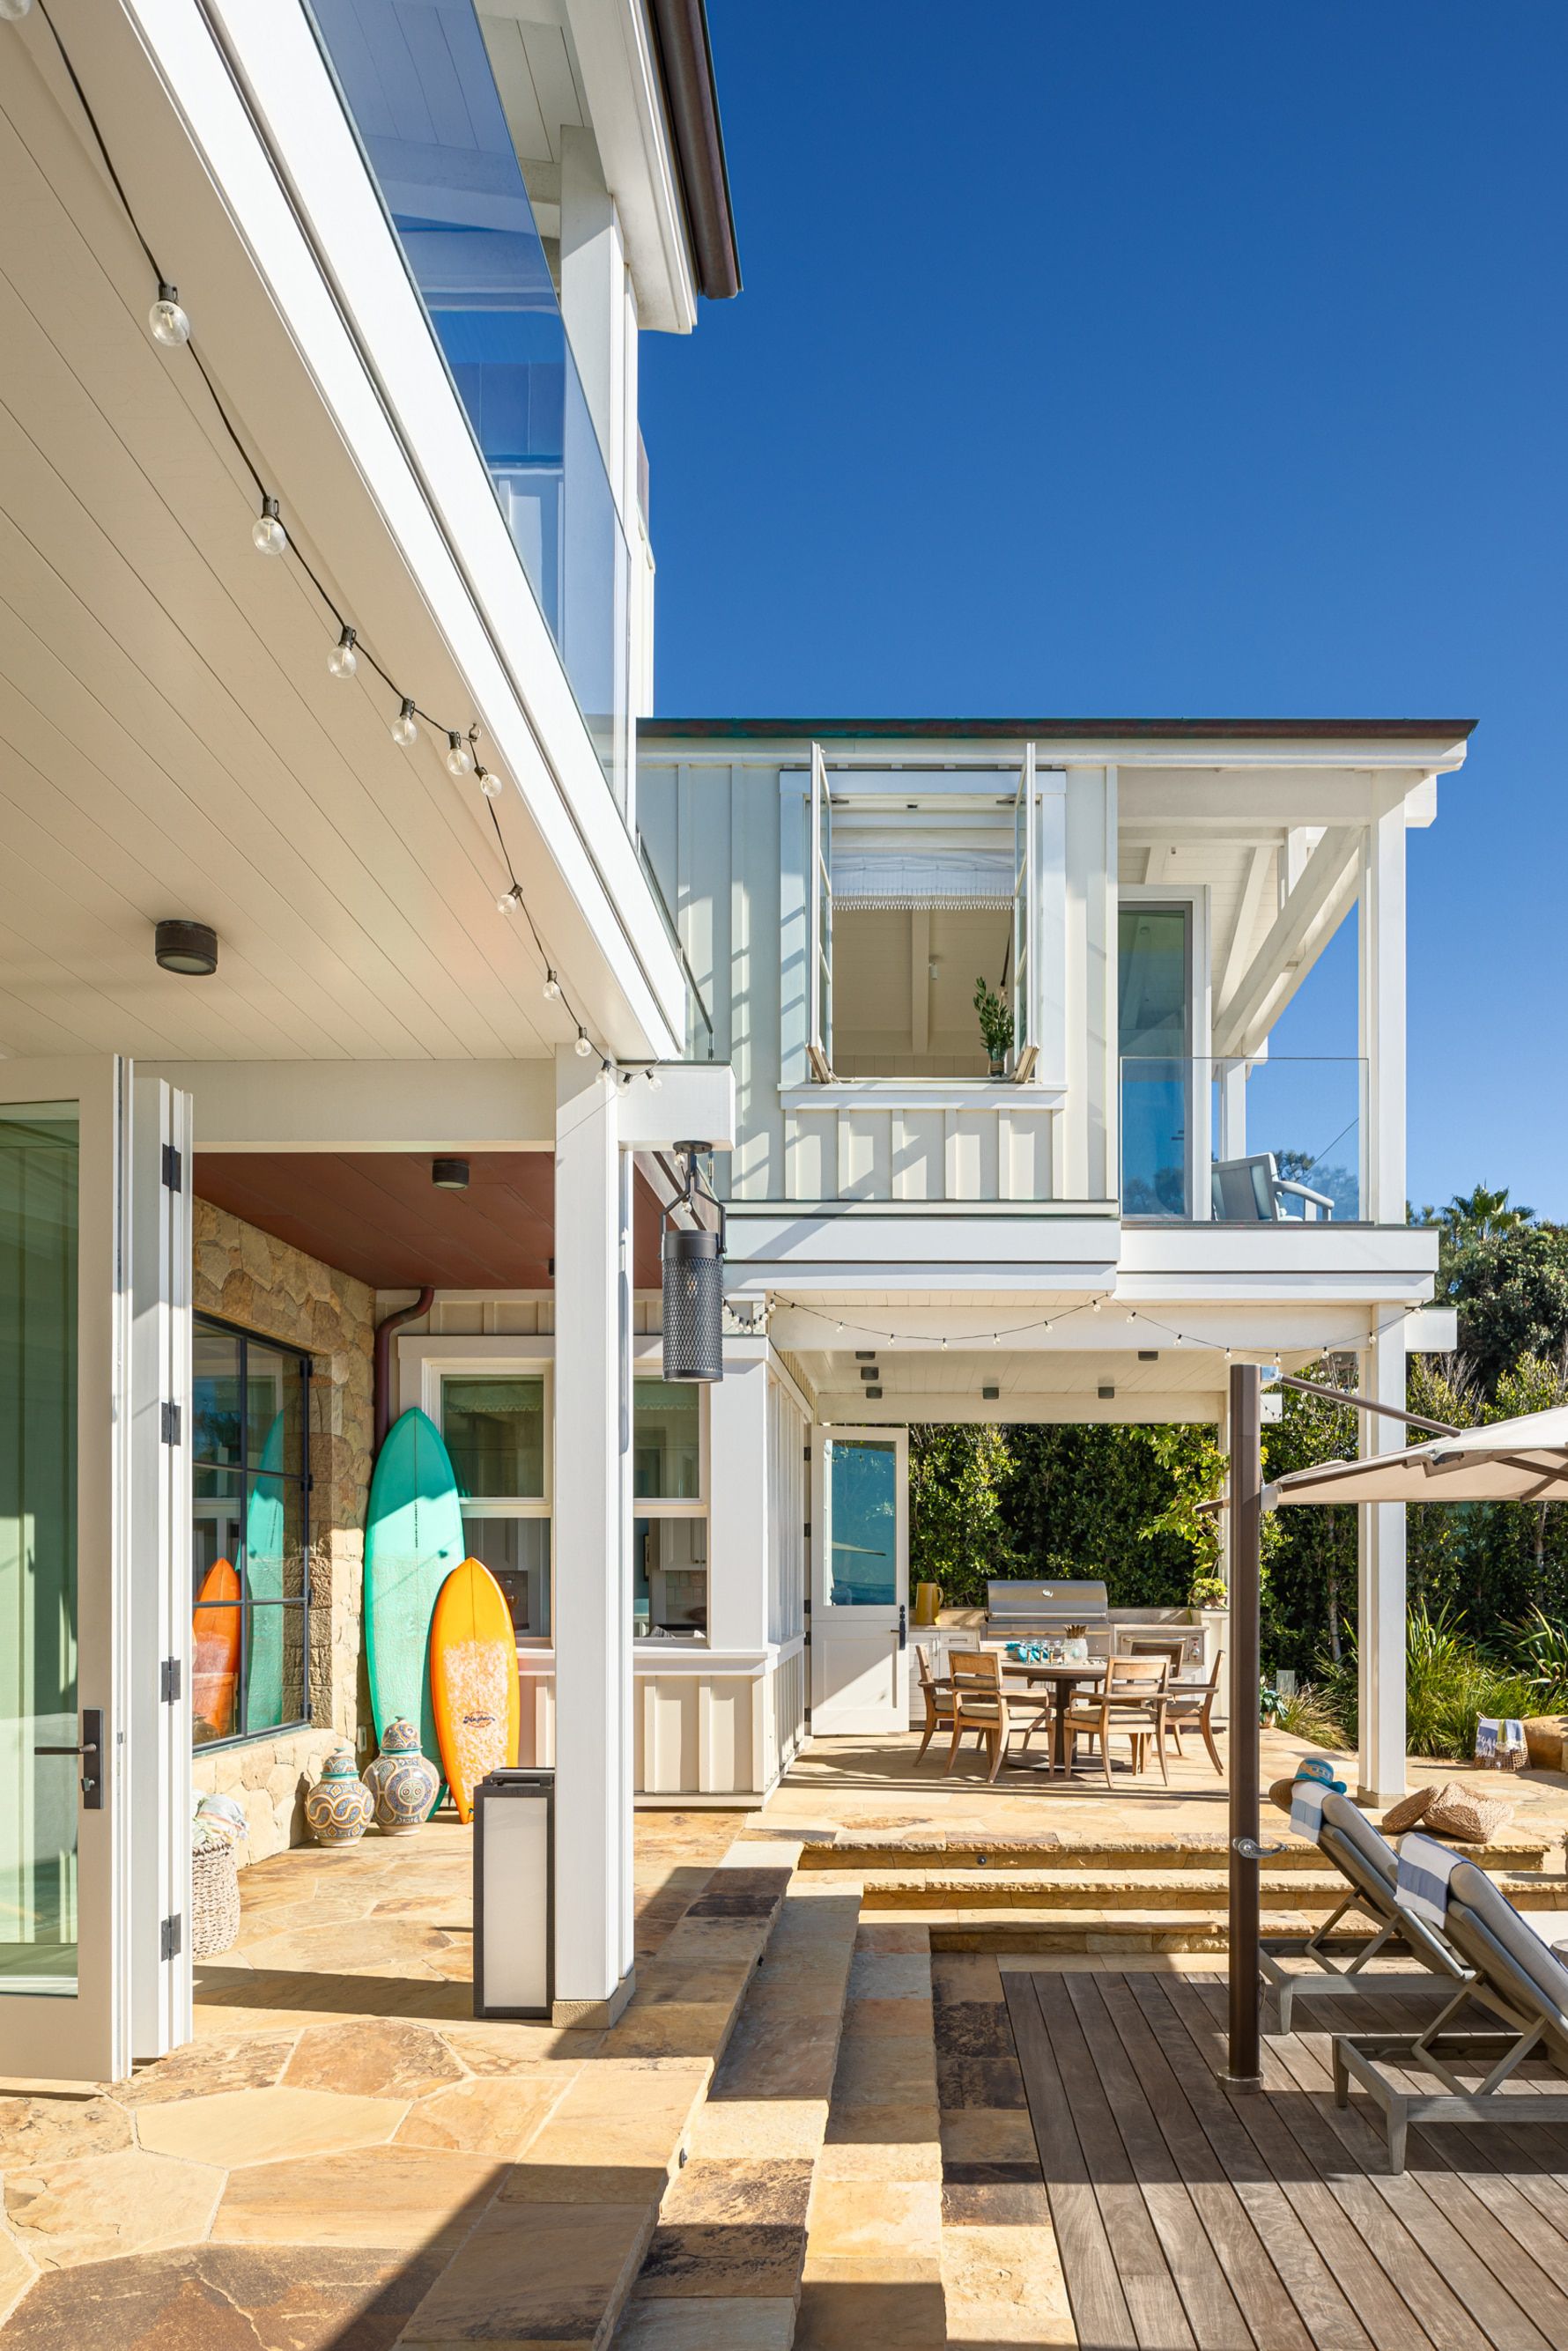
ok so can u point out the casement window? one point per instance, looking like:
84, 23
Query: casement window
498, 1430
251, 1534
669, 1485
921, 882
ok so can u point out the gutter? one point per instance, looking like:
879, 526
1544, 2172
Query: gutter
691, 102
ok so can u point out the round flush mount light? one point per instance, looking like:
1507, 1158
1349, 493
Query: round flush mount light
189, 949
449, 1175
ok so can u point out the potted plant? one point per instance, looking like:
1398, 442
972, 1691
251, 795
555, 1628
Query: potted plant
996, 1027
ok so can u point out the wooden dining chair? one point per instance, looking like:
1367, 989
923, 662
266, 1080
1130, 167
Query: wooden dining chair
980, 1705
1130, 1704
937, 1690
1193, 1703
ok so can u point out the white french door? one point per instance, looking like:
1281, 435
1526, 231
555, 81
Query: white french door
860, 1575
94, 1518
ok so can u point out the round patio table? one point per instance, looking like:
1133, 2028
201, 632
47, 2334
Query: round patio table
1065, 1681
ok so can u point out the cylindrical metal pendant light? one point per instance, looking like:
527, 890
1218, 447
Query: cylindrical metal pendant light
693, 1306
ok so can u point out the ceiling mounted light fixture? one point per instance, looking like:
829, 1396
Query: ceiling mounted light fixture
449, 1175
189, 948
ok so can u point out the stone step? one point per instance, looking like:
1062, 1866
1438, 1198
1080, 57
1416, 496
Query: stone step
908, 1852
1149, 1890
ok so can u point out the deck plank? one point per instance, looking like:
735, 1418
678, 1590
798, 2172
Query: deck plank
1154, 2298
1212, 2310
1100, 2312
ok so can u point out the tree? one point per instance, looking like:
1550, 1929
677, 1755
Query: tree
1510, 1287
958, 1536
1081, 1500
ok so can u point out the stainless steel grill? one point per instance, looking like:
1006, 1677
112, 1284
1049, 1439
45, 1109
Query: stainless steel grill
1016, 1610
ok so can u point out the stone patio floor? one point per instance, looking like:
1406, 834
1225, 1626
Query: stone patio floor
300, 2176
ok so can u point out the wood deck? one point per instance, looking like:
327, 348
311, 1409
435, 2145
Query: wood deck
1192, 2216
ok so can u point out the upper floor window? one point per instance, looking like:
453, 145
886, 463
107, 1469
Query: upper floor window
251, 1533
924, 892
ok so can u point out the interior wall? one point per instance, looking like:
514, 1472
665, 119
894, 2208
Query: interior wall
904, 988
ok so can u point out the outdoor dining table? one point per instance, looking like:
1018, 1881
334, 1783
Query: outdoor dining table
1064, 1679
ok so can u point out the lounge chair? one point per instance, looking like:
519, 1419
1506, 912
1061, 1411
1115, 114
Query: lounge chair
1362, 1855
1507, 1970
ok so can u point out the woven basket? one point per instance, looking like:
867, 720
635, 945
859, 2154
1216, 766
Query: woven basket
1469, 1820
214, 1900
1408, 1811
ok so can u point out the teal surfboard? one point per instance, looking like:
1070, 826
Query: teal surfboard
264, 1541
413, 1539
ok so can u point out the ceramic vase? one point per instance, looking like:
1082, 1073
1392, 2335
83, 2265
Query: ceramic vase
402, 1781
339, 1807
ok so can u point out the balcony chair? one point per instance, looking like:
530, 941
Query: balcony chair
937, 1690
1253, 1192
1129, 1704
980, 1704
1524, 1983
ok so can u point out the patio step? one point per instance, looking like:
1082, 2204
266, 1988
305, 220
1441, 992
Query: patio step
1082, 1891
1106, 1933
907, 1852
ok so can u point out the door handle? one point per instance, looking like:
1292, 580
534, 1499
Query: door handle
903, 1625
91, 1752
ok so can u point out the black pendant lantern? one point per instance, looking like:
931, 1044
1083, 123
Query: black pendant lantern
693, 1288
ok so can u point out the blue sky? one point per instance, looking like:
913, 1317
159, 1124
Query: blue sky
1147, 358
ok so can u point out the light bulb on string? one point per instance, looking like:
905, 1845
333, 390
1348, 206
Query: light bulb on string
553, 985
488, 784
166, 319
459, 758
654, 1082
343, 661
582, 1048
404, 732
510, 901
267, 535
13, 11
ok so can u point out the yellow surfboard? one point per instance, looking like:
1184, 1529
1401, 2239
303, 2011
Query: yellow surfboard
474, 1688
215, 1649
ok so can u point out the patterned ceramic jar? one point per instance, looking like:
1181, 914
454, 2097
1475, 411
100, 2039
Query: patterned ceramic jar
402, 1781
339, 1807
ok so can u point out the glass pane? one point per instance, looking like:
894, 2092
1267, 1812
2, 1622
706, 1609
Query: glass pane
517, 1552
494, 1432
274, 1409
39, 1695
1156, 1042
863, 1522
666, 1455
216, 1381
669, 1578
272, 1668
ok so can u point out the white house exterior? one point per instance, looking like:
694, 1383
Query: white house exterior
417, 247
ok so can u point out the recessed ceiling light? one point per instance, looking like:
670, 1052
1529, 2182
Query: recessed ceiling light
1148, 1355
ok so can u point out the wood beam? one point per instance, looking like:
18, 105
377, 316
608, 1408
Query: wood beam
1296, 937
1246, 923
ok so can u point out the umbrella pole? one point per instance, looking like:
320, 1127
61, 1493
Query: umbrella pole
1246, 1547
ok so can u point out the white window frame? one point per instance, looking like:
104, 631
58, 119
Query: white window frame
1195, 896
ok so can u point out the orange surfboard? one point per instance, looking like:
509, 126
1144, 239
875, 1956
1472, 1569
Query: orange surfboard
214, 1648
474, 1688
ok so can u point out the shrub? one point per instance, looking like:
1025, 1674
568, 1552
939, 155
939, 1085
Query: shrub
1308, 1713
1449, 1683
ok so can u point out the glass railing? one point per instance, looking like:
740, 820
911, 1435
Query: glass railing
698, 1044
417, 87
1242, 1142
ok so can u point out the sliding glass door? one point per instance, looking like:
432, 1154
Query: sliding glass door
1158, 1116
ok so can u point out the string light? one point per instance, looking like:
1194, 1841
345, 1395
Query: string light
267, 535
167, 321
656, 1082
582, 1048
170, 326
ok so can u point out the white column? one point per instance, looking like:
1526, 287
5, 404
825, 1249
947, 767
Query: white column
738, 1499
594, 1918
1380, 1608
1383, 1018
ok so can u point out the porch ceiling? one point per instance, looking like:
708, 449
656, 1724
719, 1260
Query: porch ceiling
378, 1216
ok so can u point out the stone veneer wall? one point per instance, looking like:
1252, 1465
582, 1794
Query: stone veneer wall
250, 1278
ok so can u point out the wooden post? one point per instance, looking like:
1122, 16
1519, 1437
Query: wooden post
1246, 1535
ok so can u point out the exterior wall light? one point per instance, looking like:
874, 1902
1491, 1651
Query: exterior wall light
189, 948
693, 1285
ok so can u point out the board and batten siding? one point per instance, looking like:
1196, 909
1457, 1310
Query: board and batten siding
728, 839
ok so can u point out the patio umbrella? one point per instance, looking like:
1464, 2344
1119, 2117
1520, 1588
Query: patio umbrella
1520, 1460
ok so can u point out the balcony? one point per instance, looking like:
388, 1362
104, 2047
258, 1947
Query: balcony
1242, 1141
417, 87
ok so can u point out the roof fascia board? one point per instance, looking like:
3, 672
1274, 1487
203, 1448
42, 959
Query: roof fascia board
620, 81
